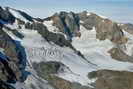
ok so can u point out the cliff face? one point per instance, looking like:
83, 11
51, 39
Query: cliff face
6, 16
67, 23
108, 79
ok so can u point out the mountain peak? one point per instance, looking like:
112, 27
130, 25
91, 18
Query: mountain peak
66, 51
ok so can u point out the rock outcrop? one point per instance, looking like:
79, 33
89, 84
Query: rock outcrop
108, 79
89, 20
3, 85
107, 29
47, 71
67, 23
56, 38
118, 54
127, 27
12, 60
6, 16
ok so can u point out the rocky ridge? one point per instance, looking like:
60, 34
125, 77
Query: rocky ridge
13, 58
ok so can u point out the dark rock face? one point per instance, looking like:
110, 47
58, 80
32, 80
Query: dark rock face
20, 22
107, 79
14, 31
89, 21
127, 27
110, 30
117, 53
39, 19
49, 36
60, 83
9, 71
47, 70
6, 16
25, 15
6, 73
105, 28
67, 23
56, 38
12, 67
28, 17
3, 85
8, 45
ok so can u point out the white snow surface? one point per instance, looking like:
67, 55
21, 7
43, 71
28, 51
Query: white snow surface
51, 28
88, 13
104, 17
17, 15
81, 21
129, 44
38, 50
49, 25
12, 26
97, 51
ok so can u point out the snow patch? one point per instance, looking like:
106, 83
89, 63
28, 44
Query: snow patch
129, 44
81, 21
104, 17
2, 50
51, 28
18, 15
49, 25
88, 13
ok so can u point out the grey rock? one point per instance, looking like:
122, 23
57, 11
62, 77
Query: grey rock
89, 21
6, 16
58, 39
67, 23
4, 85
118, 54
108, 79
46, 70
127, 27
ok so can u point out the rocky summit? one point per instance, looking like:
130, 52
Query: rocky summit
64, 51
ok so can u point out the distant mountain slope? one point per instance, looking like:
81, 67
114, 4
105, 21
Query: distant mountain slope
65, 51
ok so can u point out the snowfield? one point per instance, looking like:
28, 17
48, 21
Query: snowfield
129, 45
97, 51
38, 50
65, 55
